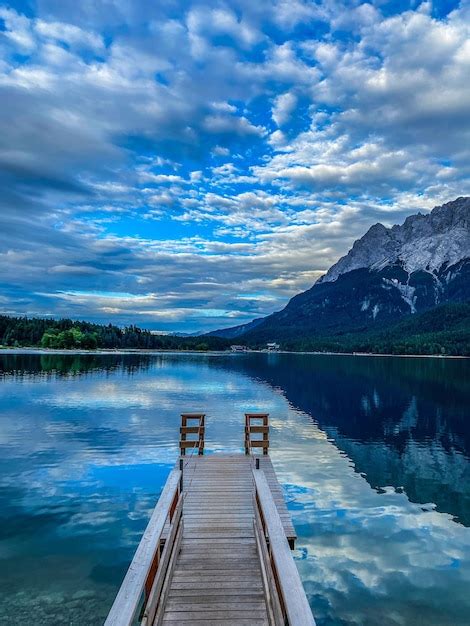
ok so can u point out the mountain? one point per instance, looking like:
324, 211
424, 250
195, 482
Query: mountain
388, 274
444, 329
236, 331
423, 242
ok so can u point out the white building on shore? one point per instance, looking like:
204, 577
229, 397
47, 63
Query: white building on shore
272, 346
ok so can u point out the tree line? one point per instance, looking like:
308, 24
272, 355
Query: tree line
70, 334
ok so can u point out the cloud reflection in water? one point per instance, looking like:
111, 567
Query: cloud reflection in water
84, 456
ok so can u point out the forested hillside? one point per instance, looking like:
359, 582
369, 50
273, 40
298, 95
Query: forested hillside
443, 330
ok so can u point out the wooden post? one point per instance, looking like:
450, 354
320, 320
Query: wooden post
266, 433
181, 479
247, 434
183, 435
201, 434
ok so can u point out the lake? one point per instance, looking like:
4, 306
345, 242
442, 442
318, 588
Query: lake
373, 454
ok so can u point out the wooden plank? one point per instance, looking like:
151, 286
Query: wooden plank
210, 621
216, 588
233, 577
256, 429
206, 604
187, 430
224, 548
128, 599
192, 508
234, 614
218, 591
193, 443
222, 531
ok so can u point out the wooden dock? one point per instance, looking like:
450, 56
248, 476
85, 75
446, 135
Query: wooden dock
217, 548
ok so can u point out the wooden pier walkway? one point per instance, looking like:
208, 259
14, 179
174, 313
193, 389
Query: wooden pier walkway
217, 548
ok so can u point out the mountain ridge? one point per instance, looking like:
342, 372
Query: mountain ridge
389, 273
421, 242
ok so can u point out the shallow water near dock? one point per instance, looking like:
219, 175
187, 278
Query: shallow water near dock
373, 454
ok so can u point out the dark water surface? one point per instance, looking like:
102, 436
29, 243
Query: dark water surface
374, 454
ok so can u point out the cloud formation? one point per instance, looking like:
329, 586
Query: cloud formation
210, 161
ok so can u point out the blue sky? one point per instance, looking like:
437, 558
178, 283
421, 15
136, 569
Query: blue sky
192, 165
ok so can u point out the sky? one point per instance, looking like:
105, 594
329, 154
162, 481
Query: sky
192, 165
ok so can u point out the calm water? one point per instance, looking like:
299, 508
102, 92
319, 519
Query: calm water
374, 454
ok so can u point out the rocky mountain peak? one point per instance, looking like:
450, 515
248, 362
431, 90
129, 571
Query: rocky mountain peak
423, 242
451, 214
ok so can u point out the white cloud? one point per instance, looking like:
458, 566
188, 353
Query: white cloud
67, 33
196, 176
18, 30
283, 107
206, 23
220, 151
223, 124
150, 177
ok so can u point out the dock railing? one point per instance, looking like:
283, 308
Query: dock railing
285, 596
256, 423
143, 589
189, 428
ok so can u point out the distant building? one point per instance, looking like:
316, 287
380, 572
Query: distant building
236, 348
272, 346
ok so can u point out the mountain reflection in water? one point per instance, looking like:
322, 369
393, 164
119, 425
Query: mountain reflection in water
404, 422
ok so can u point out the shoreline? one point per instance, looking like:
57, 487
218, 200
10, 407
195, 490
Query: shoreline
122, 351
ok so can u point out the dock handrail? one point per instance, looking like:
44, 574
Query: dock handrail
198, 430
256, 427
148, 559
284, 591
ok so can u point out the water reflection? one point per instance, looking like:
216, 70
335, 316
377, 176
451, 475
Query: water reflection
404, 422
86, 444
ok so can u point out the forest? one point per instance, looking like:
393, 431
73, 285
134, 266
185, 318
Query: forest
444, 330
80, 335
